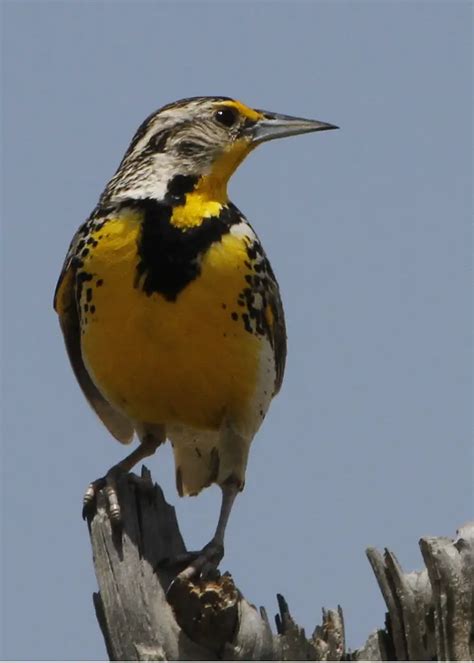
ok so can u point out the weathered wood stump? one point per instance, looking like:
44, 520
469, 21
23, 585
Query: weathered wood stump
145, 615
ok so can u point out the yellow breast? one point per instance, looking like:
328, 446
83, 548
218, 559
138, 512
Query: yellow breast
187, 361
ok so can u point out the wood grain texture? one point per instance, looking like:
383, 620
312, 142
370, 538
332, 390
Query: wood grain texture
144, 614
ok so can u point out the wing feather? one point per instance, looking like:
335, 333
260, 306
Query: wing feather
65, 305
276, 326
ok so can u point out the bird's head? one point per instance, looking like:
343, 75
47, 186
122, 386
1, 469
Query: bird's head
198, 143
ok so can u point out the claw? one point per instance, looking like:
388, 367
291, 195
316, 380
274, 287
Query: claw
89, 499
204, 563
199, 566
108, 483
197, 563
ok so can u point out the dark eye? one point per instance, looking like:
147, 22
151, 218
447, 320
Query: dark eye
226, 116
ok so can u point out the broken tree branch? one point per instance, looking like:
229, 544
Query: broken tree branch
145, 615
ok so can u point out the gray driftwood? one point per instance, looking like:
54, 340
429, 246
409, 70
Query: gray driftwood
144, 615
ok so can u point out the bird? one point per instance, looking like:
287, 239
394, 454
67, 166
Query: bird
170, 310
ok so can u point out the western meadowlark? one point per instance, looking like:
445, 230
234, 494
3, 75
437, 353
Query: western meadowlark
169, 307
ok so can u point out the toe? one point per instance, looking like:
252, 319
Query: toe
112, 502
109, 486
205, 564
89, 499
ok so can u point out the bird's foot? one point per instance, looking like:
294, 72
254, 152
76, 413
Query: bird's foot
197, 564
109, 484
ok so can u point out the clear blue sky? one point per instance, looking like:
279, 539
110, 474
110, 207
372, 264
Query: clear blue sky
368, 229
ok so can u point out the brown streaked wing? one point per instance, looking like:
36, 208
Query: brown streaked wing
278, 332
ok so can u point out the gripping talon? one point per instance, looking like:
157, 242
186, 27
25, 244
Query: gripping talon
147, 447
89, 499
201, 563
205, 563
112, 499
109, 485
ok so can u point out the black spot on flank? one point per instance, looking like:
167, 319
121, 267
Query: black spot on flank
86, 308
84, 276
247, 324
80, 245
99, 282
178, 187
81, 278
234, 316
76, 263
224, 306
92, 308
89, 294
254, 250
251, 252
84, 252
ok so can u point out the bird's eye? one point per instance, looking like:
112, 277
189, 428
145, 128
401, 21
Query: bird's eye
226, 116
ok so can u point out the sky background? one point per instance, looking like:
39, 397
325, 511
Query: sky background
368, 230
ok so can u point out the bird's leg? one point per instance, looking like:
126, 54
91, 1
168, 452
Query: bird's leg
147, 447
209, 557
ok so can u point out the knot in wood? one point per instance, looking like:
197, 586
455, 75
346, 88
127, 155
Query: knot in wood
206, 610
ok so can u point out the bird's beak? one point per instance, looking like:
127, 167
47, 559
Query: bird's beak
274, 125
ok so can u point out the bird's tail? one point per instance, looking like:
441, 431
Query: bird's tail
196, 459
205, 457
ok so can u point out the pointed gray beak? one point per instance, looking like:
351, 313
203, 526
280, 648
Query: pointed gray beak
274, 125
